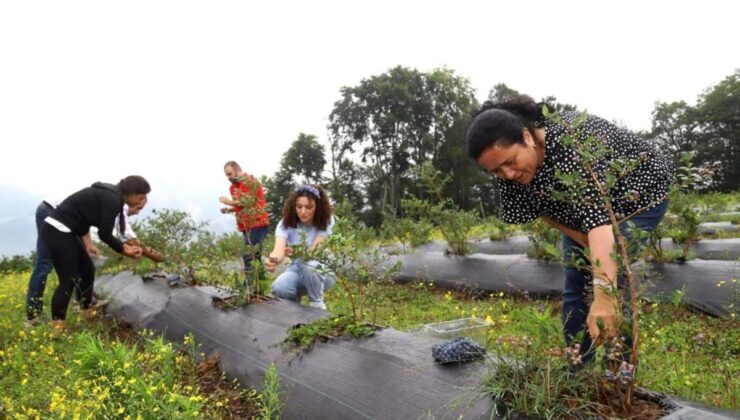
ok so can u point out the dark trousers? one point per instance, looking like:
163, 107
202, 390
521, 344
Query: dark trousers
70, 261
253, 238
42, 266
575, 306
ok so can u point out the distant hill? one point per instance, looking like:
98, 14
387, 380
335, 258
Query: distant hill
17, 224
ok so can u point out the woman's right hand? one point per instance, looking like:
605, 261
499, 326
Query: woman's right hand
272, 262
132, 251
279, 251
605, 311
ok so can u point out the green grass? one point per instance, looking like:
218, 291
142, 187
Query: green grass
717, 202
685, 354
100, 370
721, 217
304, 336
691, 356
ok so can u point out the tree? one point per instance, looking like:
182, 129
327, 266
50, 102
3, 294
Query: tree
380, 118
391, 122
277, 188
711, 129
673, 128
559, 106
451, 99
500, 93
346, 179
469, 186
303, 162
305, 158
718, 113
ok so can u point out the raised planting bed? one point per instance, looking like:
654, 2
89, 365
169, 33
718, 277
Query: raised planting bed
390, 375
732, 216
509, 246
711, 228
706, 249
707, 285
710, 249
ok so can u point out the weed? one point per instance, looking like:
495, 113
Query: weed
271, 405
304, 336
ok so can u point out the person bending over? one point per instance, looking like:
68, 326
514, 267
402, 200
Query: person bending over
97, 205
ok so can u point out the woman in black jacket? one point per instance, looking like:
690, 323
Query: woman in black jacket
97, 205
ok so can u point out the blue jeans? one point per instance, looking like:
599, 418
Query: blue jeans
253, 237
575, 306
301, 278
41, 267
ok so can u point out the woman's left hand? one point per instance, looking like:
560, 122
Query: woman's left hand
92, 250
604, 309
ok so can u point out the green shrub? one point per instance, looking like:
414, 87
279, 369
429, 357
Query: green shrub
454, 223
544, 241
17, 263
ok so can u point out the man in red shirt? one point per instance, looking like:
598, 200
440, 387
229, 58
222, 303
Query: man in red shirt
248, 204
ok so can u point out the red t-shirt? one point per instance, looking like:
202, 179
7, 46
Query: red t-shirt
244, 220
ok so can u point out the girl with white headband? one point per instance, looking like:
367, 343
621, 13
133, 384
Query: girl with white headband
306, 214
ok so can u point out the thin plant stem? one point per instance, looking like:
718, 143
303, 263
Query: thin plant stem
630, 279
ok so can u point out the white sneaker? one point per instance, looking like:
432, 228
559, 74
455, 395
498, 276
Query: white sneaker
319, 305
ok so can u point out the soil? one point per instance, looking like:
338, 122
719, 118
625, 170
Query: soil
212, 382
234, 302
118, 330
645, 406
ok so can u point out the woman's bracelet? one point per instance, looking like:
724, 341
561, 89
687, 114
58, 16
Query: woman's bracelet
603, 284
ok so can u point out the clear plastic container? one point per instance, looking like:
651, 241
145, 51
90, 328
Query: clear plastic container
473, 328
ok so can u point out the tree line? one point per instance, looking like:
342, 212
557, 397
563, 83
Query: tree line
390, 123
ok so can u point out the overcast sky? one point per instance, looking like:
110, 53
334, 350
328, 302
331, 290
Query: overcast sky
172, 89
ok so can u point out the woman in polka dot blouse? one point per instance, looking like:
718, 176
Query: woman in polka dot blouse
515, 142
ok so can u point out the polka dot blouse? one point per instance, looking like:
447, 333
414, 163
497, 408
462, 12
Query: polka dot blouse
644, 187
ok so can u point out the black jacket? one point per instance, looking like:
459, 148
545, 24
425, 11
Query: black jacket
97, 206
